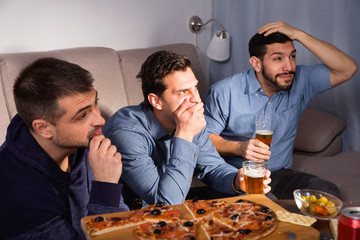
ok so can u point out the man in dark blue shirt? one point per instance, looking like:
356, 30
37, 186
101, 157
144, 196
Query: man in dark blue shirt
56, 166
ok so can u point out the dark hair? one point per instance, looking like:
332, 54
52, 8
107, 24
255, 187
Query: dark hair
257, 44
155, 68
40, 85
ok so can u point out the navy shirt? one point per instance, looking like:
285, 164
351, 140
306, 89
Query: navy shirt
40, 201
233, 103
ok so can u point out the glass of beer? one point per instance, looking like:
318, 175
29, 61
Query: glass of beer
264, 128
254, 173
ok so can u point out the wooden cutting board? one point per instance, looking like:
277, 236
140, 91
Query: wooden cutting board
279, 233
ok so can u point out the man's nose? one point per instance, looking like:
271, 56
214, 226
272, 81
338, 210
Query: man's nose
194, 95
98, 120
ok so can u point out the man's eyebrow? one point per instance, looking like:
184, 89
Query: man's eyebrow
281, 53
86, 107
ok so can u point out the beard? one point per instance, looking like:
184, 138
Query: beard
274, 81
66, 141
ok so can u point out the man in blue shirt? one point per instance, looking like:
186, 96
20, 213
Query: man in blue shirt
163, 141
56, 166
274, 86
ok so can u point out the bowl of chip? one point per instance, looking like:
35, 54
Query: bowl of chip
317, 204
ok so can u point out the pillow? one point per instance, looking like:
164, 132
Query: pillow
316, 130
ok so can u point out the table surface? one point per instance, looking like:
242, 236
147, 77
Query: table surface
323, 226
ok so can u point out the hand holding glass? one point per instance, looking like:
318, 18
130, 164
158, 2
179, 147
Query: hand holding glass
254, 174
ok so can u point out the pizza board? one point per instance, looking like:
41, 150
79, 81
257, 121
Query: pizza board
279, 233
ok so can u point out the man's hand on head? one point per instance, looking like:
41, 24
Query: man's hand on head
104, 160
280, 27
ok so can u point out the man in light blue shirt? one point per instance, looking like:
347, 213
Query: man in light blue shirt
163, 141
274, 86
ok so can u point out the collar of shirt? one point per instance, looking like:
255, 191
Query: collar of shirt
155, 128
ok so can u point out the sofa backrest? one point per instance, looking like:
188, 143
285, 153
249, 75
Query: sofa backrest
114, 74
102, 63
131, 61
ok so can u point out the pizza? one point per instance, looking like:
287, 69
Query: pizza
182, 229
154, 213
207, 219
200, 209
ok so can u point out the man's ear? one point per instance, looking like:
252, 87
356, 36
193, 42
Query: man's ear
43, 128
155, 101
256, 63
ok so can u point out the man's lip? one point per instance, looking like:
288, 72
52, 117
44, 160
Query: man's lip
96, 133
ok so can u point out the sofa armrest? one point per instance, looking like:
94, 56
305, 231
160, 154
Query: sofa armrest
317, 131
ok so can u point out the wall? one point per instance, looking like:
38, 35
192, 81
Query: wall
39, 25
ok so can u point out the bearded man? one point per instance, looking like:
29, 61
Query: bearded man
275, 86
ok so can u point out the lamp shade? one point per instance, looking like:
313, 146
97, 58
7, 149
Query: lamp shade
219, 47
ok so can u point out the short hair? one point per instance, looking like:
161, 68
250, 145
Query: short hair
155, 68
41, 84
257, 44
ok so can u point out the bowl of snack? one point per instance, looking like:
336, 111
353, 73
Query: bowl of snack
317, 204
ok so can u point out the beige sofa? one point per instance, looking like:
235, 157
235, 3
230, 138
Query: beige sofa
317, 148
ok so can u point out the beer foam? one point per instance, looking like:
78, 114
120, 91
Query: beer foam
256, 173
264, 132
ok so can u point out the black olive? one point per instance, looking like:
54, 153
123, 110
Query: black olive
234, 216
188, 224
160, 204
99, 219
195, 200
200, 211
244, 231
240, 201
157, 231
192, 238
268, 218
155, 212
161, 224
265, 209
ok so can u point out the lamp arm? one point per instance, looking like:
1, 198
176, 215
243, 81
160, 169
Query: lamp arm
213, 19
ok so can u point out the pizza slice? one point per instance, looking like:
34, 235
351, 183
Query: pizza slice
154, 213
215, 230
200, 209
249, 219
163, 230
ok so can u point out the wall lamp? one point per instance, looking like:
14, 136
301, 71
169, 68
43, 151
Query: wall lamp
219, 47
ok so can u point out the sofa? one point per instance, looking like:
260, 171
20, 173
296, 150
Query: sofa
317, 148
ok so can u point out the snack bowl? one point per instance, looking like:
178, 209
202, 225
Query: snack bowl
317, 204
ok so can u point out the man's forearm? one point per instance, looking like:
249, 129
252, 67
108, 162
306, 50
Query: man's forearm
224, 146
342, 67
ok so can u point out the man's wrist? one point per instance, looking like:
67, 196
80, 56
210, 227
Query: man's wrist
234, 186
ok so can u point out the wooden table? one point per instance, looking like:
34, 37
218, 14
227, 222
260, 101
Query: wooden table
302, 233
323, 226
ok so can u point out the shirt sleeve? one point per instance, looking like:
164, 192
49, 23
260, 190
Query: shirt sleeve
316, 80
167, 181
211, 167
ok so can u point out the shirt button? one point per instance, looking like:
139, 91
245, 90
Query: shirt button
195, 156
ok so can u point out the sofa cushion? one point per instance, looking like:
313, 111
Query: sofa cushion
102, 63
316, 130
131, 61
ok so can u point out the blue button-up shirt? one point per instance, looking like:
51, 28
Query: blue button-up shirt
158, 166
233, 103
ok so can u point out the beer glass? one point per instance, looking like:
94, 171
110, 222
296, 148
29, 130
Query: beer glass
254, 173
264, 128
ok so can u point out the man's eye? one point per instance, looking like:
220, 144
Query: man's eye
277, 59
293, 57
82, 116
